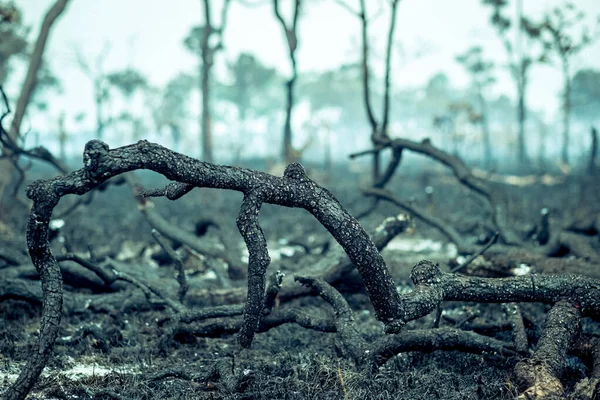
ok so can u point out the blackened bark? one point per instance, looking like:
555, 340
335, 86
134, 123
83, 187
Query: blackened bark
294, 189
494, 198
433, 286
539, 376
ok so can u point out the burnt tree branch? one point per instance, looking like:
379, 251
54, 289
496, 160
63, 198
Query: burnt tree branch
539, 376
495, 199
372, 356
294, 189
433, 286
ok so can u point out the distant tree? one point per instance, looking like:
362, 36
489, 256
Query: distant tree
101, 87
379, 130
171, 110
35, 63
27, 89
336, 104
250, 78
291, 33
12, 38
63, 136
448, 122
205, 41
128, 82
249, 87
481, 78
340, 88
559, 38
521, 55
585, 94
438, 96
438, 90
46, 81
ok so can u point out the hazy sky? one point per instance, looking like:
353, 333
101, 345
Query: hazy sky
148, 34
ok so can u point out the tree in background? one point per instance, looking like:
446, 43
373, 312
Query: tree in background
31, 78
339, 88
100, 85
585, 95
171, 110
338, 91
46, 81
521, 56
379, 130
128, 82
291, 34
560, 40
439, 101
63, 136
12, 38
248, 92
480, 71
201, 42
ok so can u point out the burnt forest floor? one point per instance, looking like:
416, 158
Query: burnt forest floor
287, 362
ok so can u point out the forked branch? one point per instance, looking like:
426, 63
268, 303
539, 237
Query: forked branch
294, 189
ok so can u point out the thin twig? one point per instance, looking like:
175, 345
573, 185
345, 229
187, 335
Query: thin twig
181, 278
473, 256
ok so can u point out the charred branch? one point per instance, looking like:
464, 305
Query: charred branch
433, 286
373, 356
448, 231
539, 376
294, 189
181, 279
513, 311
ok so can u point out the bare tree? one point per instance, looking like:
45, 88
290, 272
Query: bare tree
28, 87
291, 34
100, 83
520, 60
199, 42
481, 78
557, 27
379, 130
171, 109
12, 37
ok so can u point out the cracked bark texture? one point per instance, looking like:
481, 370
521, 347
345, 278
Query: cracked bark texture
371, 356
539, 376
433, 286
294, 189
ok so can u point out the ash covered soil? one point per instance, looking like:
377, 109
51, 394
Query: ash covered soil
112, 345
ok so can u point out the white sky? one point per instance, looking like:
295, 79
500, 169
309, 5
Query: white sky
148, 34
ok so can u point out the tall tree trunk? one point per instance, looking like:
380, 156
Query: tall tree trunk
27, 90
566, 111
522, 156
290, 30
62, 137
593, 150
366, 87
99, 117
542, 147
488, 162
205, 119
288, 149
